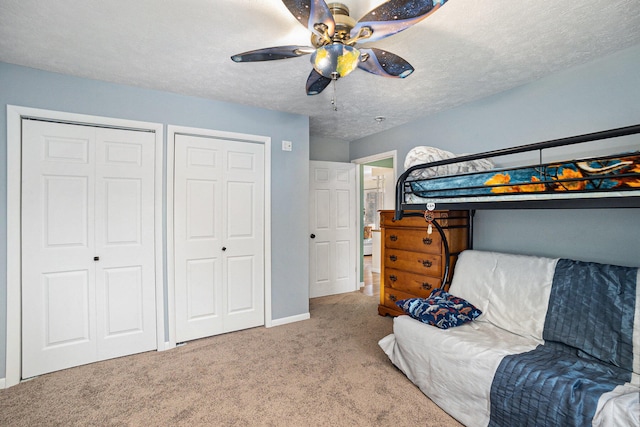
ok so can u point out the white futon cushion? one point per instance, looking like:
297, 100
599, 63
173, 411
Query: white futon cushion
512, 291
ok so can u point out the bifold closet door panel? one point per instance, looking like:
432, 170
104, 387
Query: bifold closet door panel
125, 242
243, 228
197, 237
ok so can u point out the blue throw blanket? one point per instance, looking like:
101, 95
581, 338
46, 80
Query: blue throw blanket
588, 350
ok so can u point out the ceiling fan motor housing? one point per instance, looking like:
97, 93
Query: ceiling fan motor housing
344, 25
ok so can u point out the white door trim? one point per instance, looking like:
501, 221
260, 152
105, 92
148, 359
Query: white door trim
172, 130
14, 174
373, 158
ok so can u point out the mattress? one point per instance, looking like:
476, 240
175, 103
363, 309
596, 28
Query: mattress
608, 176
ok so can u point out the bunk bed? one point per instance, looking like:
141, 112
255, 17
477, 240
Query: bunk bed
540, 318
609, 180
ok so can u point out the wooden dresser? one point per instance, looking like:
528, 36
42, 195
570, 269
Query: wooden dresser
413, 261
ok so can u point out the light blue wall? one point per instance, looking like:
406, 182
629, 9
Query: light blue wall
328, 149
597, 96
290, 170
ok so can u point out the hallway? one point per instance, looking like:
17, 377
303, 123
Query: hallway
371, 280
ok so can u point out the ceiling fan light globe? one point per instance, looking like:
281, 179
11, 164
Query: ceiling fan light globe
335, 60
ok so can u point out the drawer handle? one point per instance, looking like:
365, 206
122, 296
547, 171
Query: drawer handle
393, 298
393, 238
393, 258
426, 286
393, 278
426, 263
427, 241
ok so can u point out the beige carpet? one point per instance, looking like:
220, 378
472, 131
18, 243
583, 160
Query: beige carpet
326, 371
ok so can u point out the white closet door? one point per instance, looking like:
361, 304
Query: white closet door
124, 236
332, 222
219, 236
58, 290
198, 240
243, 201
80, 302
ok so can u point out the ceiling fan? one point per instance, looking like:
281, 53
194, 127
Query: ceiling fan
334, 36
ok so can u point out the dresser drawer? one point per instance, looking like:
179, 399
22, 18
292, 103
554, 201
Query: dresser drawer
444, 218
416, 284
414, 262
413, 240
392, 295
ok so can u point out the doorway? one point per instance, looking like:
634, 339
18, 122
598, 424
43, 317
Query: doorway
377, 179
204, 306
333, 228
15, 117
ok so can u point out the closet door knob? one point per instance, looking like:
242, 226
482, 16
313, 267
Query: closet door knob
224, 248
96, 258
313, 236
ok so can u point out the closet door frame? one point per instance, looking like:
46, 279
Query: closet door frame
15, 115
172, 130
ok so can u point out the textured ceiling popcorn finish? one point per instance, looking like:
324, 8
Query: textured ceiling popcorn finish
467, 50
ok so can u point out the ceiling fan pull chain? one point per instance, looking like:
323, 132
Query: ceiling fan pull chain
334, 99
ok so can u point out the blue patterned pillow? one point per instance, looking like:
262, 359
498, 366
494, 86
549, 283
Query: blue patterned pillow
440, 309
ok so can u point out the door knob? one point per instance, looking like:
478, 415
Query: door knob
224, 248
313, 236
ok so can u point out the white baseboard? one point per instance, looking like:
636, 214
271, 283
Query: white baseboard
167, 346
3, 383
291, 319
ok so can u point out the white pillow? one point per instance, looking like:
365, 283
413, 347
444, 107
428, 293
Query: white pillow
423, 154
512, 291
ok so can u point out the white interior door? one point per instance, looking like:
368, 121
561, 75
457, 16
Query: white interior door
332, 262
218, 236
88, 270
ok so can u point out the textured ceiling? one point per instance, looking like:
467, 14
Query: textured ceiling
467, 50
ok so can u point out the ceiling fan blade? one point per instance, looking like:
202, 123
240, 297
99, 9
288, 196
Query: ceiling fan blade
383, 63
272, 53
394, 16
316, 83
313, 14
